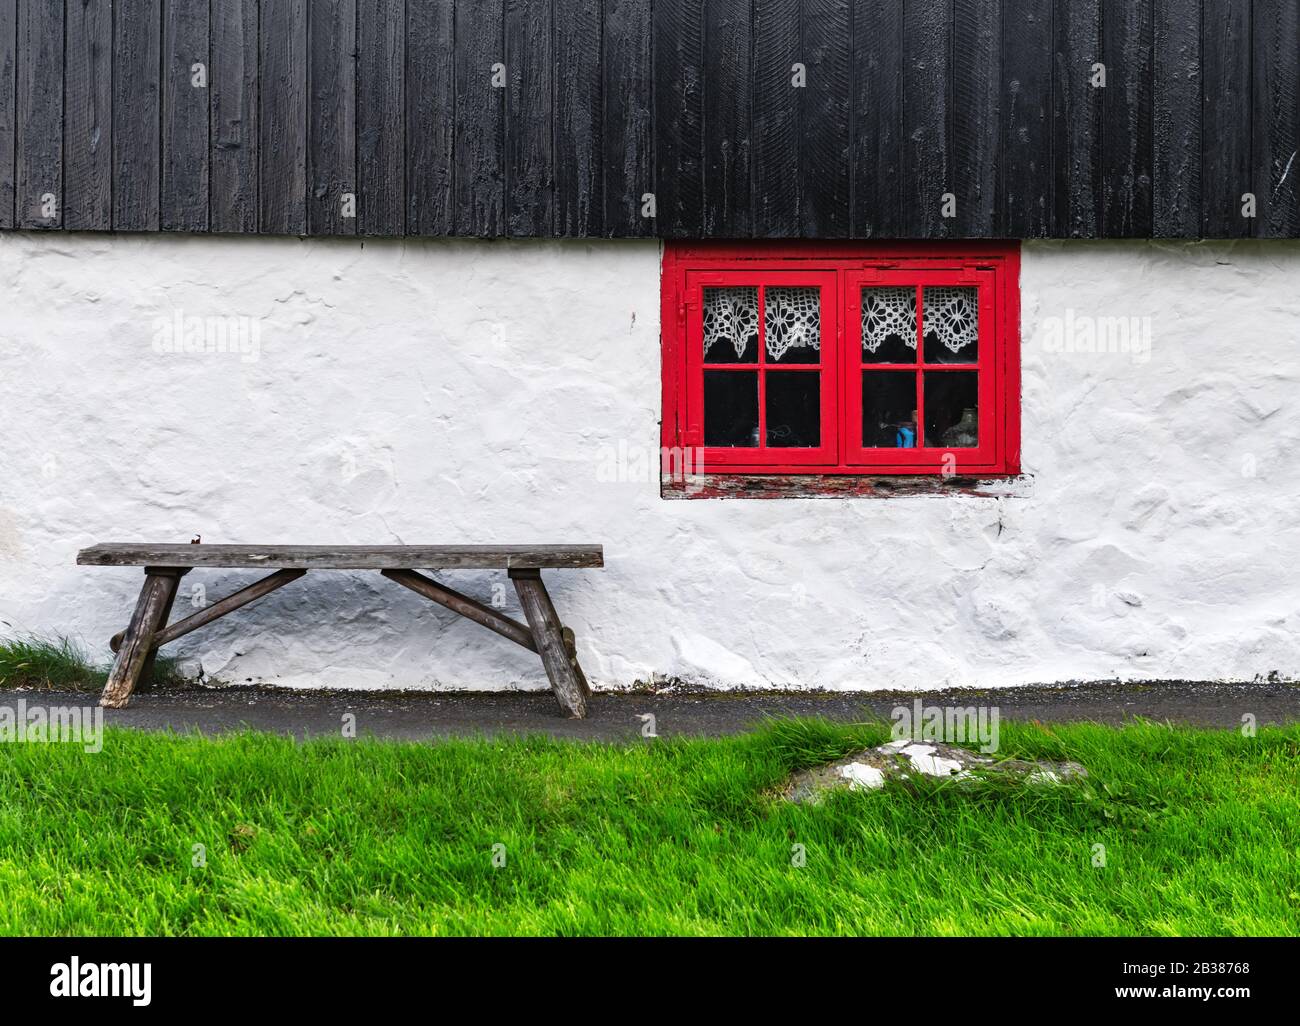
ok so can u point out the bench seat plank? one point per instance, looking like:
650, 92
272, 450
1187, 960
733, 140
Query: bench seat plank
347, 557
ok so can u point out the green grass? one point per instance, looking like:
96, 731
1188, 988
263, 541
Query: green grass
1201, 832
62, 664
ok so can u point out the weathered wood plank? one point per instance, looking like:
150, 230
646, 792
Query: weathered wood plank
976, 122
232, 204
679, 117
1176, 119
430, 116
137, 107
529, 114
727, 113
39, 142
138, 641
381, 122
282, 118
824, 129
88, 116
1225, 154
332, 119
1276, 117
467, 607
1026, 112
8, 109
186, 144
344, 557
777, 108
548, 632
579, 202
927, 119
1076, 111
479, 181
876, 183
627, 135
1126, 145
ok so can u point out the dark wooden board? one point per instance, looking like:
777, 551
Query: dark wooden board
430, 116
529, 116
232, 205
282, 117
627, 136
137, 106
478, 145
185, 115
728, 113
345, 557
88, 117
1226, 109
1077, 120
1275, 161
679, 116
332, 118
381, 127
1176, 119
826, 49
579, 199
39, 144
927, 111
1127, 113
875, 177
1025, 172
976, 98
8, 109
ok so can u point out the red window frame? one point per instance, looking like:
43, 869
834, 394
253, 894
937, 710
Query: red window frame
841, 270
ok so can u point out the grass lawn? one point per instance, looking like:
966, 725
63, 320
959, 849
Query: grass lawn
1201, 832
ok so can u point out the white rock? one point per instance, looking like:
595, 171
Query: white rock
862, 777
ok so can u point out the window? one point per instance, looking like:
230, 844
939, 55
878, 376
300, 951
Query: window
842, 359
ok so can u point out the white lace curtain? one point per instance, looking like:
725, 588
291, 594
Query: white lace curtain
951, 313
791, 318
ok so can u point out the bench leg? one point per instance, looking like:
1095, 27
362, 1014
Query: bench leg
560, 660
159, 590
146, 672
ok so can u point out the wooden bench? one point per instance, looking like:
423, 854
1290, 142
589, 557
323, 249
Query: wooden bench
165, 565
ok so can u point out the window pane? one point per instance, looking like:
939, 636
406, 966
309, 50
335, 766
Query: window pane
889, 325
951, 318
888, 409
731, 325
952, 410
792, 322
731, 408
793, 409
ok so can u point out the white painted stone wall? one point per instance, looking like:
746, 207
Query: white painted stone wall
463, 391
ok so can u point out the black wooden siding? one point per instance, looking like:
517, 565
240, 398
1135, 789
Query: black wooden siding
602, 102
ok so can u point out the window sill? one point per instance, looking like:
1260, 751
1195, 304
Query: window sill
841, 486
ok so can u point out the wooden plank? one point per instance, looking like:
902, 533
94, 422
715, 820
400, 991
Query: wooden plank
1276, 118
727, 114
282, 118
344, 557
478, 145
232, 204
381, 121
39, 142
627, 135
467, 607
1076, 114
137, 107
579, 205
1127, 113
332, 119
185, 114
876, 183
976, 120
138, 641
1026, 171
824, 131
529, 113
88, 116
171, 585
1225, 154
926, 165
679, 117
775, 143
8, 109
548, 632
1176, 119
430, 116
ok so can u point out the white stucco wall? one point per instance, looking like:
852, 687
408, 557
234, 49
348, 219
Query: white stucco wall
458, 391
